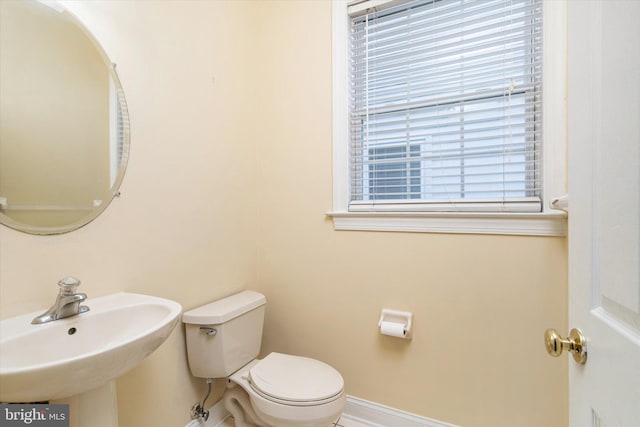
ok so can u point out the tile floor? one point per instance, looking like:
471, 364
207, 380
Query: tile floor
341, 422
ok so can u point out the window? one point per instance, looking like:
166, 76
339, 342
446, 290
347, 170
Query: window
444, 108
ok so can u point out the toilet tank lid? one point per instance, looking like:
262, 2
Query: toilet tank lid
225, 309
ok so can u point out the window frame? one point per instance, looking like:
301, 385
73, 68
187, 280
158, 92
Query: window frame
475, 219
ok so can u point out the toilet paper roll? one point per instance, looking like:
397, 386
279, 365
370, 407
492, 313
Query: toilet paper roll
393, 329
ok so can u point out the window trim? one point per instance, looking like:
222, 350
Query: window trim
549, 222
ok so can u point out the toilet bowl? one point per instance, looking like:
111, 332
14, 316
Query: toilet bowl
286, 390
223, 340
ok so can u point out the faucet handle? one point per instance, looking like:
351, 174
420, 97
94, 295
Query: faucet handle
68, 285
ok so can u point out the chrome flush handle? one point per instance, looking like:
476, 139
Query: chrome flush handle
209, 331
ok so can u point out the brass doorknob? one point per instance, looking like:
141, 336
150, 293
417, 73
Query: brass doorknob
575, 343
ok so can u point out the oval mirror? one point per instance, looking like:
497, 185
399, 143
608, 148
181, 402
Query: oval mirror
64, 129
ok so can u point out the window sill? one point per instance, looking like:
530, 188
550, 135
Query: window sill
526, 224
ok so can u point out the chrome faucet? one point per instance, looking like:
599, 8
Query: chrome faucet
67, 302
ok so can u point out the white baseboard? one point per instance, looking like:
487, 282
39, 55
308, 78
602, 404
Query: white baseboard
376, 415
217, 415
358, 410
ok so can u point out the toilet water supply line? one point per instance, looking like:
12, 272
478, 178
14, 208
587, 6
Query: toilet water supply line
198, 410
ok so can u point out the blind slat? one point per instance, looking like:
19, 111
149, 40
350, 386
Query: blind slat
383, 44
416, 14
372, 110
452, 90
487, 67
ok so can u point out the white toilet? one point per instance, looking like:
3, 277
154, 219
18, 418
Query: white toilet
223, 341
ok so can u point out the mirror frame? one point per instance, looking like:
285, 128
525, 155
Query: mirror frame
124, 160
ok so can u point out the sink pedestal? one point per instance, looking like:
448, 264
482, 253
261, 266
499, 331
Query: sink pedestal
94, 408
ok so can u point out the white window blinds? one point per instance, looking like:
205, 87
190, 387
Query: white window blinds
446, 104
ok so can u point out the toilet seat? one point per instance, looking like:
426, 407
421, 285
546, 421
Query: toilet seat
295, 380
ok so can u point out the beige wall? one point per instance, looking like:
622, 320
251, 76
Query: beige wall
481, 303
212, 225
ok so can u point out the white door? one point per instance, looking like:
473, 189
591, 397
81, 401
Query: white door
604, 218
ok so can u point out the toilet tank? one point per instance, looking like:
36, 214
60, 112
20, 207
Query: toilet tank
237, 321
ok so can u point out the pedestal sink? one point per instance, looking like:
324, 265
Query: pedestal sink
76, 359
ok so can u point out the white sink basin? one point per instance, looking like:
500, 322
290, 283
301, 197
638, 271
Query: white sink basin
70, 356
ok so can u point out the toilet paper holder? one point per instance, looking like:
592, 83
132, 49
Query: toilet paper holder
396, 323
